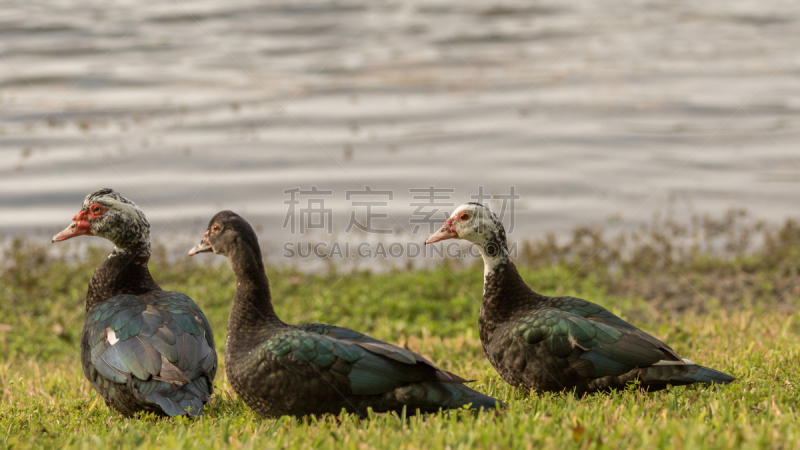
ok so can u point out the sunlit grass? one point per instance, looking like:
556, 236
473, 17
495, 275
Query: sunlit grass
48, 402
45, 400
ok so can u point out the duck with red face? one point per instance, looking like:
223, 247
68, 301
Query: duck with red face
142, 348
546, 343
107, 214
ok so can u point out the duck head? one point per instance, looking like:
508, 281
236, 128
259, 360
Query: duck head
107, 214
473, 222
476, 223
226, 232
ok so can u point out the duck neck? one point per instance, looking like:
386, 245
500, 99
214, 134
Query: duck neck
495, 257
125, 271
252, 305
504, 290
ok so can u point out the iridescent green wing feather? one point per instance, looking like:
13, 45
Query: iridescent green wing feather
160, 342
611, 344
369, 366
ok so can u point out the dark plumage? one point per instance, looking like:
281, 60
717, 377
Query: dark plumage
559, 343
309, 369
142, 348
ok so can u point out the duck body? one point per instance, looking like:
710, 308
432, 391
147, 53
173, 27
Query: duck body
566, 343
143, 349
551, 344
151, 352
311, 369
314, 369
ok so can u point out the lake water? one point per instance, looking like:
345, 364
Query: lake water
588, 109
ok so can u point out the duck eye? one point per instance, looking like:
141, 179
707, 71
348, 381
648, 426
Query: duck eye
215, 228
465, 216
97, 210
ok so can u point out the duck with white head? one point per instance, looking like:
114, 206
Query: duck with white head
550, 344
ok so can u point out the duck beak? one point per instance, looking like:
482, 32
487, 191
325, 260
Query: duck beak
79, 227
446, 232
203, 247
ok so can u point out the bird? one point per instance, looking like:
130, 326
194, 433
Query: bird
552, 344
142, 348
315, 369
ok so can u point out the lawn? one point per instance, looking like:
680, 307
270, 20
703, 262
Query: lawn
739, 315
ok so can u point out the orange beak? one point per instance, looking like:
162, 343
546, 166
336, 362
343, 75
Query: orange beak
447, 231
79, 227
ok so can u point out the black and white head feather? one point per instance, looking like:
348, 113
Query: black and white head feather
476, 223
123, 223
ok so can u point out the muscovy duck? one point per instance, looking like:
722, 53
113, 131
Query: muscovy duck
142, 348
559, 343
312, 369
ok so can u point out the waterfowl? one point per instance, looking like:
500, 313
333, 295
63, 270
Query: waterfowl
142, 348
546, 343
311, 369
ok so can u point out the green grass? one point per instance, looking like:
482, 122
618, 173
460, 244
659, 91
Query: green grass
46, 402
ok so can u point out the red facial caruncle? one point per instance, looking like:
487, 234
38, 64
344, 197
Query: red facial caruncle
448, 231
80, 225
449, 223
94, 211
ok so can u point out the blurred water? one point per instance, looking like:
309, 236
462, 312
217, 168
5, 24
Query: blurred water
589, 109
